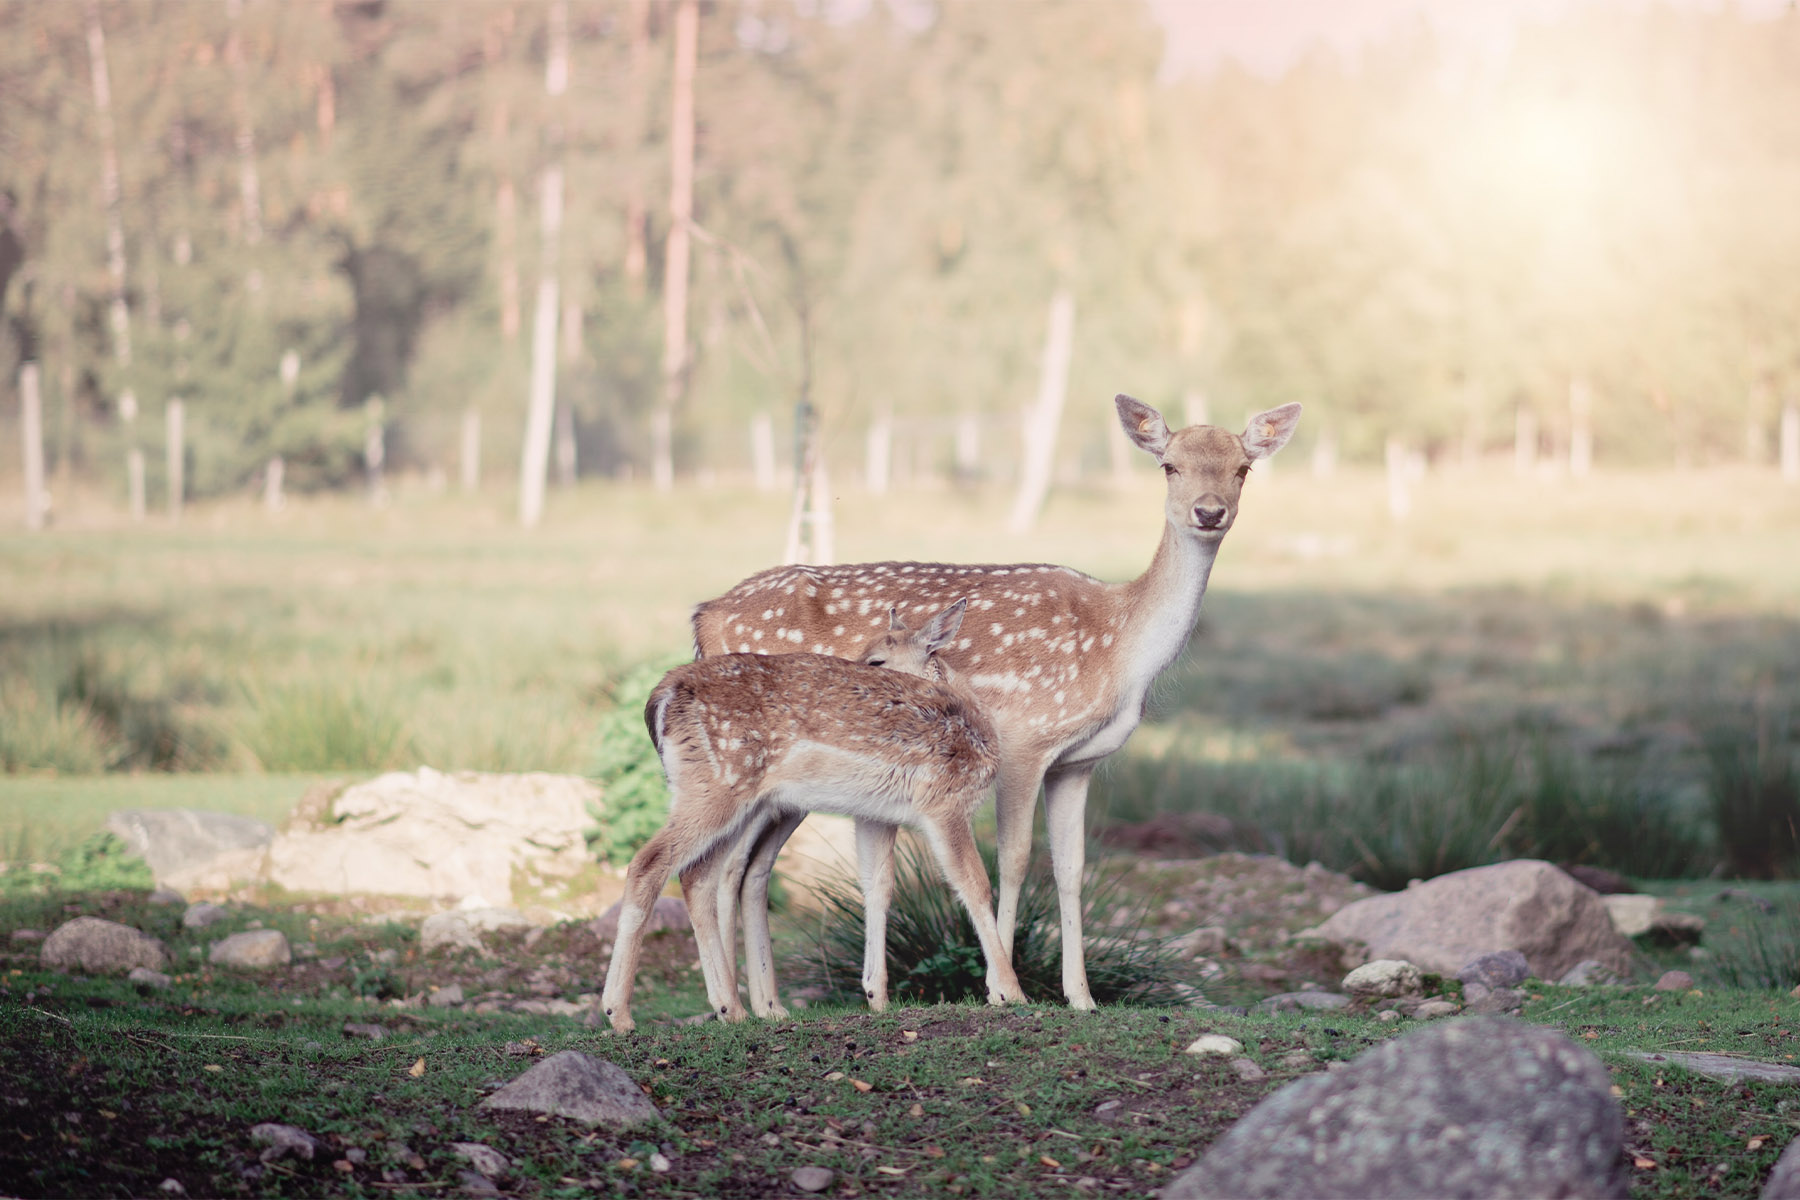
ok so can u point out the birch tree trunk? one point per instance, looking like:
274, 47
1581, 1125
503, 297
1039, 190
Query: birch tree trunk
118, 311
249, 182
31, 435
637, 249
762, 451
1581, 428
1525, 437
175, 455
880, 451
678, 250
1045, 415
535, 456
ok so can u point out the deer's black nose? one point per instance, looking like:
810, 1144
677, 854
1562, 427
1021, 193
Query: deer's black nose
1209, 516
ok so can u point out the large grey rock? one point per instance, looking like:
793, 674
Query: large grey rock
467, 835
255, 948
1524, 905
190, 848
577, 1085
668, 913
101, 948
284, 1141
1783, 1182
1480, 1108
1501, 969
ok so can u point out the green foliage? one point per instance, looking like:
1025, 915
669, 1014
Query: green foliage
935, 957
101, 862
625, 764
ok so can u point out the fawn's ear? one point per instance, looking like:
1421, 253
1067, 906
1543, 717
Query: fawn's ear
940, 629
1270, 431
1143, 425
895, 624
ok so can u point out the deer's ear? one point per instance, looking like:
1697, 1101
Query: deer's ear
1270, 431
1143, 425
895, 624
940, 629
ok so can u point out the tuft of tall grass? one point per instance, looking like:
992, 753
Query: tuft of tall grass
1760, 951
324, 726
1753, 781
39, 734
935, 957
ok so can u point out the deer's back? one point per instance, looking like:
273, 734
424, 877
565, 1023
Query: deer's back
1033, 646
748, 714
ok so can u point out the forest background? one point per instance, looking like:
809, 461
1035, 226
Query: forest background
329, 233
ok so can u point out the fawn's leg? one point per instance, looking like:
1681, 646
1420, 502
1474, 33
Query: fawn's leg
1065, 818
644, 879
953, 842
1015, 807
706, 883
753, 903
875, 866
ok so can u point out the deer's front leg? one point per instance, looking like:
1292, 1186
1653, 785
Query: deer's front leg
644, 879
1065, 818
875, 867
1015, 807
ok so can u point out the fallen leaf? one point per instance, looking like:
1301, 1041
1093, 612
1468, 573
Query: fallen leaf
1590, 1034
417, 1069
626, 1164
1642, 1163
1049, 1162
834, 1076
934, 1152
1024, 1108
1756, 1143
917, 1110
909, 1035
212, 1067
343, 1165
973, 1081
1616, 1090
892, 1170
860, 1086
111, 1116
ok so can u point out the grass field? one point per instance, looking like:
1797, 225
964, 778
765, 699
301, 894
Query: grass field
1608, 619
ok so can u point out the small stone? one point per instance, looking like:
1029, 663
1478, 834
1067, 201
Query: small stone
1674, 981
489, 1161
1502, 968
446, 997
1248, 1071
476, 1183
284, 1140
659, 1162
356, 1154
1214, 1043
201, 915
357, 1029
147, 979
1110, 1112
163, 895
1430, 1010
1384, 979
171, 1187
1499, 1000
1388, 1016
1588, 972
96, 947
254, 948
1309, 1001
812, 1179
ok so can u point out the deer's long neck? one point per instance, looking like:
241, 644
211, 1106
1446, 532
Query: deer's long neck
1163, 604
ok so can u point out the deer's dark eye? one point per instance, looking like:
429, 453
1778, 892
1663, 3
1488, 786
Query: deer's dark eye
1169, 469
1243, 472
875, 662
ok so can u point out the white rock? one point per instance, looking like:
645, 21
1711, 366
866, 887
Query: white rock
1215, 1043
252, 948
461, 929
1385, 978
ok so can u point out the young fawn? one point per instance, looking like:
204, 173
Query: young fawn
747, 739
1060, 662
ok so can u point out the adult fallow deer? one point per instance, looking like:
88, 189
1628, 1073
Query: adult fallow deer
745, 737
1060, 662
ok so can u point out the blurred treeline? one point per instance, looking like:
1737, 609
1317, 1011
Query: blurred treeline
887, 195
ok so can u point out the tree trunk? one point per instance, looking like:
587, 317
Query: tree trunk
31, 434
678, 250
118, 311
1525, 438
175, 455
880, 449
1790, 442
1043, 418
535, 455
249, 183
471, 451
1581, 428
637, 250
762, 451
968, 448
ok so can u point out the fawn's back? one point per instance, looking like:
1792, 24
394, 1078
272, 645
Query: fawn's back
815, 732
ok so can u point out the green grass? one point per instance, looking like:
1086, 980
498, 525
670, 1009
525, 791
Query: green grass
115, 1089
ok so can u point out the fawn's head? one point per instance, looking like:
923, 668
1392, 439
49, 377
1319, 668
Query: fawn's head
914, 651
1205, 465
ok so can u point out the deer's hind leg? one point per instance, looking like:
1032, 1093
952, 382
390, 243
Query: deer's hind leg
753, 903
875, 866
710, 886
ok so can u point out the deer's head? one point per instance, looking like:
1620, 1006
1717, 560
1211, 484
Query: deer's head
1205, 466
914, 651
